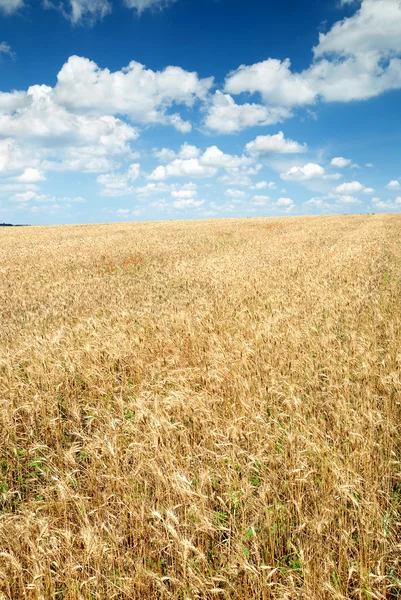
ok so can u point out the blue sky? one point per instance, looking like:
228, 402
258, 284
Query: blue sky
115, 110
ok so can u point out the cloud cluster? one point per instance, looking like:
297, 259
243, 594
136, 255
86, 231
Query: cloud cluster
353, 187
387, 205
358, 58
274, 144
190, 162
224, 115
143, 95
394, 184
308, 171
340, 162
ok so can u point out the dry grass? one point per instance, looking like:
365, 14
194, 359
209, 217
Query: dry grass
216, 417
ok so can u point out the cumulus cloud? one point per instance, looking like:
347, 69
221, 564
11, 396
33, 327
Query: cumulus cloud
358, 58
123, 212
225, 116
374, 27
73, 125
35, 128
179, 167
152, 188
260, 200
215, 157
261, 185
353, 187
164, 155
274, 80
348, 199
308, 171
141, 94
188, 151
285, 203
387, 205
274, 144
188, 203
236, 178
31, 176
188, 190
189, 162
318, 202
340, 162
393, 185
119, 184
233, 193
10, 6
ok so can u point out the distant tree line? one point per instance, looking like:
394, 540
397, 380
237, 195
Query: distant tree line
11, 225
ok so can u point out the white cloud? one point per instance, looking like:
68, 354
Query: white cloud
286, 204
119, 184
141, 5
50, 135
7, 50
200, 165
236, 178
82, 10
31, 195
152, 188
261, 185
225, 116
318, 202
188, 203
274, 144
188, 190
188, 151
393, 185
340, 162
141, 94
308, 171
182, 168
123, 212
348, 200
10, 6
353, 187
42, 119
375, 27
358, 58
164, 155
260, 200
360, 54
213, 156
332, 176
31, 176
387, 204
275, 82
232, 193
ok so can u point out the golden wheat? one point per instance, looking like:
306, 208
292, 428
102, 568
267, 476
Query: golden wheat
195, 410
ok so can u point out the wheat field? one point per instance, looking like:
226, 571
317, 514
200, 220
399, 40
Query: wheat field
201, 410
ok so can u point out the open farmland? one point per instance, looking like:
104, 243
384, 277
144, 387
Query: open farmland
198, 410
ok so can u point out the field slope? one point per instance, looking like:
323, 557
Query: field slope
200, 410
